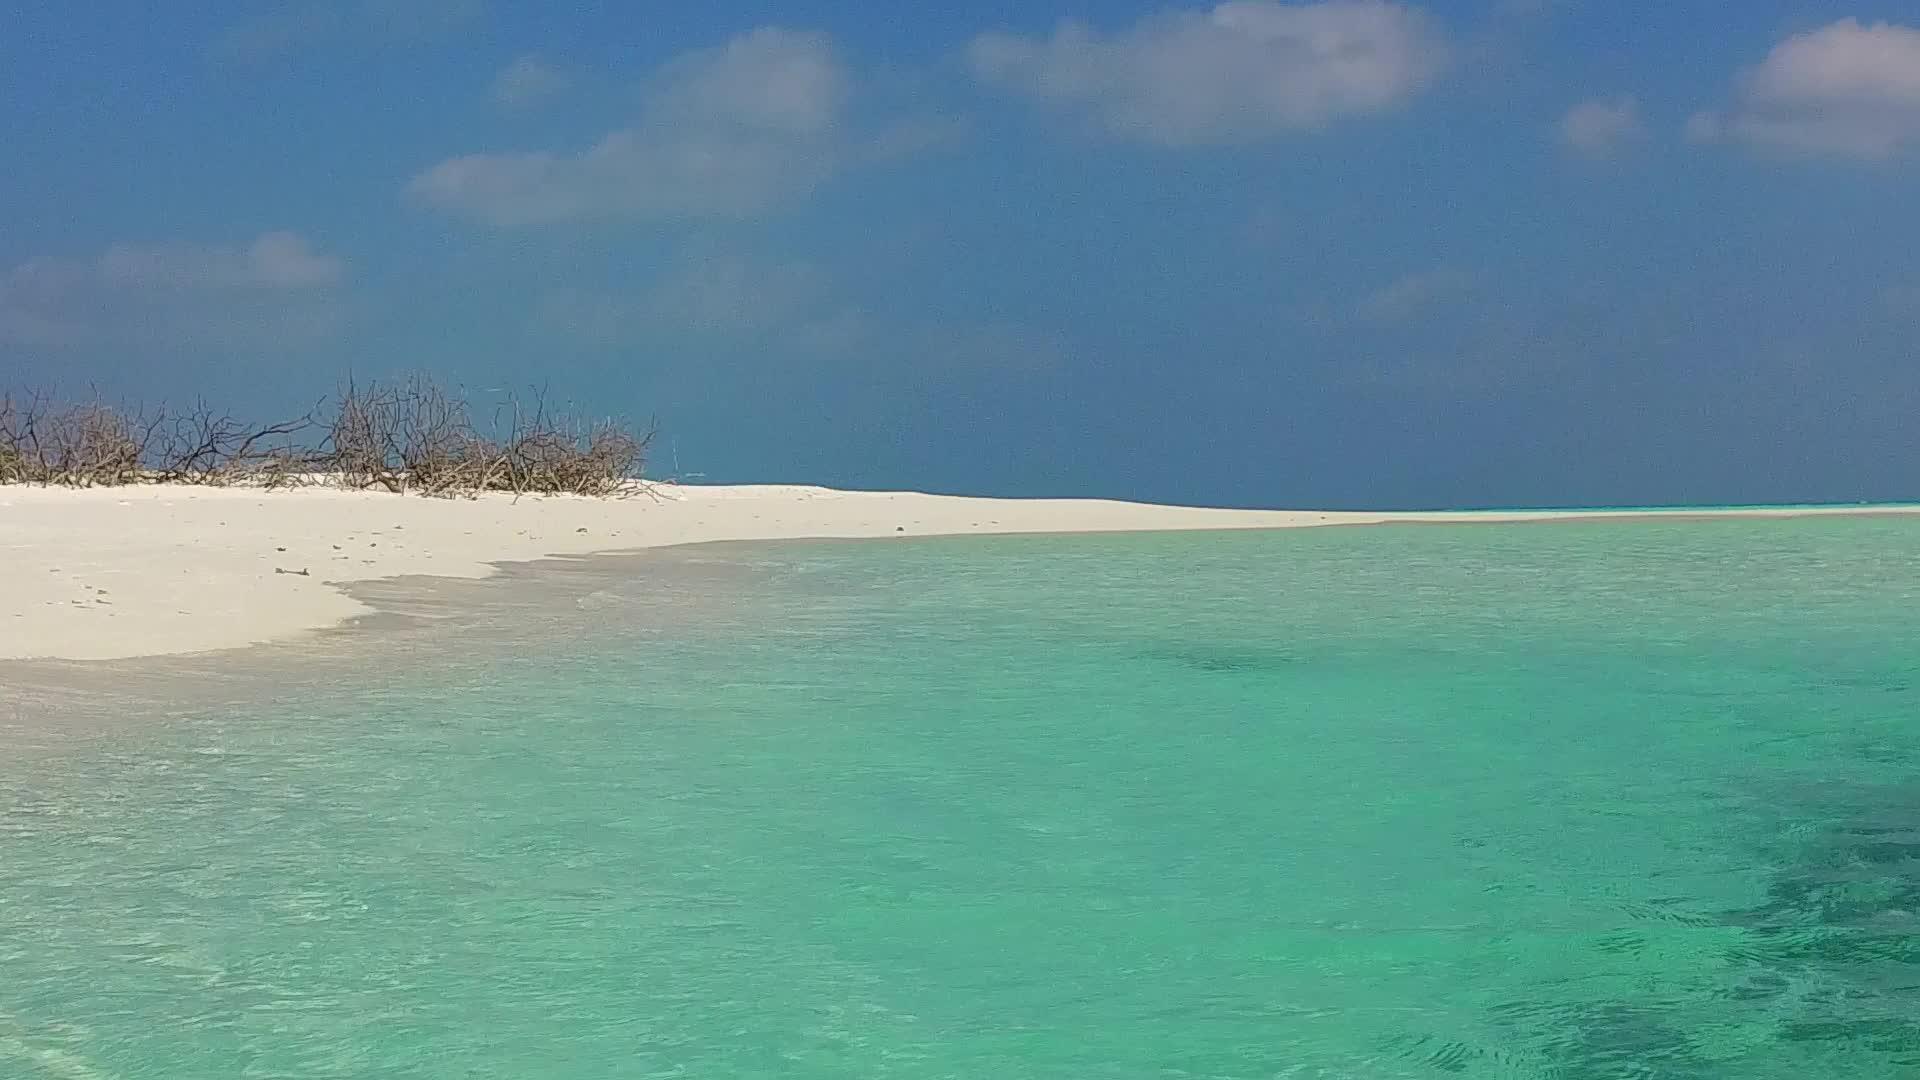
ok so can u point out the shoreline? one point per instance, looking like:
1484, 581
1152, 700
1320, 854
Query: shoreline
106, 574
415, 629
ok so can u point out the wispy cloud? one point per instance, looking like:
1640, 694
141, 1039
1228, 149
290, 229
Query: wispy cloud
1243, 71
780, 309
1849, 89
1415, 294
290, 26
528, 80
1533, 8
276, 260
401, 20
277, 286
725, 132
1903, 298
725, 296
1601, 129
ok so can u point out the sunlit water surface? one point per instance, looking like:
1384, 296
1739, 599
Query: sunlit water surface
1581, 801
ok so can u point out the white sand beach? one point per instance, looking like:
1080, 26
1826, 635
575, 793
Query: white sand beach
108, 573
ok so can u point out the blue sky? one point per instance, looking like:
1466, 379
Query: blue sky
1352, 253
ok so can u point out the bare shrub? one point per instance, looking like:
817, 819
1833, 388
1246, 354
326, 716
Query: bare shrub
409, 436
15, 422
417, 436
79, 445
98, 444
361, 441
544, 451
205, 446
412, 435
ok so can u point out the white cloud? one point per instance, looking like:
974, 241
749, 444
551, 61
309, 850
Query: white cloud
769, 79
276, 260
1415, 294
1848, 89
726, 132
276, 286
1601, 129
1245, 70
530, 79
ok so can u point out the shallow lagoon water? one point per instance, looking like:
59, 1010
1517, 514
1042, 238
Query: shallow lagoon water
1573, 801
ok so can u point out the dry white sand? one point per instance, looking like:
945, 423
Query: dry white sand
145, 571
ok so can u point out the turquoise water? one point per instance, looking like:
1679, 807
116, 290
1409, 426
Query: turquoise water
1583, 801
